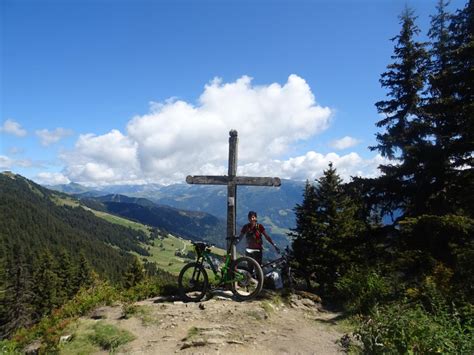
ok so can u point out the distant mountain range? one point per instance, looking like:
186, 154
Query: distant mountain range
275, 206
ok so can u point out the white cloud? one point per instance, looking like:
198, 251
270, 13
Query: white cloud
49, 137
177, 138
344, 143
48, 178
8, 163
12, 127
103, 159
311, 166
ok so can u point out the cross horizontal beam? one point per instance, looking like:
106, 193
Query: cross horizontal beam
237, 180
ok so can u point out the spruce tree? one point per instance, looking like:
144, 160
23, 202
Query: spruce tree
337, 229
66, 277
47, 284
134, 274
404, 138
328, 230
462, 147
445, 117
18, 292
83, 274
303, 236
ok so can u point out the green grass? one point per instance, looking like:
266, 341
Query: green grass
162, 253
64, 201
270, 305
193, 332
109, 337
80, 343
90, 337
121, 221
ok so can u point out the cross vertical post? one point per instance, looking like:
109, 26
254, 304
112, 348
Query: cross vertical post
232, 190
232, 180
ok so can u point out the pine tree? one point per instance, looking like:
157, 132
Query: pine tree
404, 139
18, 296
135, 274
328, 230
445, 118
66, 277
303, 236
3, 288
83, 274
462, 147
337, 229
47, 284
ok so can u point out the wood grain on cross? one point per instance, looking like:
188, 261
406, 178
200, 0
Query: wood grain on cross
231, 180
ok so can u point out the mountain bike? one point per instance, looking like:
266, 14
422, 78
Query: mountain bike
244, 275
282, 264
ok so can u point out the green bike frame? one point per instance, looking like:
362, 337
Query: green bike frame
225, 276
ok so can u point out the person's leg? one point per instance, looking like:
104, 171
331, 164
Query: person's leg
256, 255
259, 257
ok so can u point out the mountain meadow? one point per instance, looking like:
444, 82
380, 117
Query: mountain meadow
394, 254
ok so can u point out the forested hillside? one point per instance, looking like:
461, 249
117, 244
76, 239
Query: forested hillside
411, 283
192, 225
49, 250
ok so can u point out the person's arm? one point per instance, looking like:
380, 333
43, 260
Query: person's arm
239, 237
267, 237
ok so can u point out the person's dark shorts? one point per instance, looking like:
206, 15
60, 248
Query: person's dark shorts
256, 254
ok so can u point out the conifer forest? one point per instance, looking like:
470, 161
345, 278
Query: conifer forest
411, 281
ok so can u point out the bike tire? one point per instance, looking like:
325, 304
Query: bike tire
252, 284
192, 282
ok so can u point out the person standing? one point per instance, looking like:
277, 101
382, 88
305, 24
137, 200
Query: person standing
253, 232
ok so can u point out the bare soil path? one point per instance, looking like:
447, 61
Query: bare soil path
269, 325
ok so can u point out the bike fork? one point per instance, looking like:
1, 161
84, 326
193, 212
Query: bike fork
196, 274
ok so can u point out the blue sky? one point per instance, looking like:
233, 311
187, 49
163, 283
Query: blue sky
108, 92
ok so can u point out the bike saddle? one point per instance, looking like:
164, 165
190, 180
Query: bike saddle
201, 246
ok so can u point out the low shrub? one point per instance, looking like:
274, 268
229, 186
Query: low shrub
161, 284
360, 290
9, 347
409, 328
49, 329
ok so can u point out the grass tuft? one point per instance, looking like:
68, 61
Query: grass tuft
110, 337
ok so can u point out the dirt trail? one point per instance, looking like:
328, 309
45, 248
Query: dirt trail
221, 325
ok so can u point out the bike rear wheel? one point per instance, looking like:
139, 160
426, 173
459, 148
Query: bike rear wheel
249, 278
287, 277
193, 282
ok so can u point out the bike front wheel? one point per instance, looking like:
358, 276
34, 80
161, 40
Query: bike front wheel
193, 282
248, 277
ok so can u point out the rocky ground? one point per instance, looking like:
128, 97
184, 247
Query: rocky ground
272, 324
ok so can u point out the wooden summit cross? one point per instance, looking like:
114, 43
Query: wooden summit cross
231, 180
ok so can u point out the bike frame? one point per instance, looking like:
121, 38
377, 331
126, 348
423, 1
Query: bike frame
223, 278
280, 261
